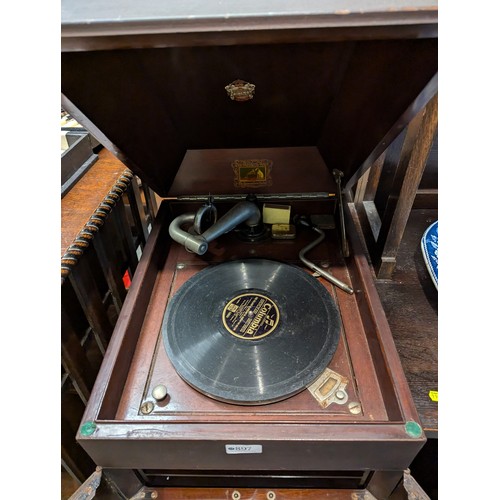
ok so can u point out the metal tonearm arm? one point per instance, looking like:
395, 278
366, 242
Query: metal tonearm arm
244, 211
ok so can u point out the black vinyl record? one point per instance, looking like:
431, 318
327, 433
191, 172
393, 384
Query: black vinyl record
251, 332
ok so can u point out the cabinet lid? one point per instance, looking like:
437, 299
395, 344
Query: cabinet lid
100, 18
152, 80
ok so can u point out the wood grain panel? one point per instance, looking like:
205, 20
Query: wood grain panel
79, 204
374, 99
330, 94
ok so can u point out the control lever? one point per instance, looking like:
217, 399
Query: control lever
311, 265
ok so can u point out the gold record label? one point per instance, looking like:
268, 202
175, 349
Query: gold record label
250, 316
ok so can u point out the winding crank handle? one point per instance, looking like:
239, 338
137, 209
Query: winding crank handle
314, 267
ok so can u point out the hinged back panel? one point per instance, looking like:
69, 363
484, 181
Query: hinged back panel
340, 91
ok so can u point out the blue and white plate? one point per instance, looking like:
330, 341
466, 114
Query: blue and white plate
430, 251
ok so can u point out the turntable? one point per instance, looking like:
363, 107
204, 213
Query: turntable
250, 353
251, 332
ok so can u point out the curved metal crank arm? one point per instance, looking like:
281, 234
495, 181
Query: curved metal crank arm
314, 267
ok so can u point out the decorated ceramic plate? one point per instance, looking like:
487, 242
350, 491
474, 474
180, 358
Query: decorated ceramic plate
430, 251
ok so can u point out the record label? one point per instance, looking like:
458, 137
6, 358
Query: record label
250, 316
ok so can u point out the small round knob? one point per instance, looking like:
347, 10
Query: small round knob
160, 392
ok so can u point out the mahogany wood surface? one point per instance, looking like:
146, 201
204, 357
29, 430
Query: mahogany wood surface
384, 353
112, 375
81, 201
138, 300
120, 443
257, 494
330, 106
151, 365
210, 170
427, 411
410, 302
319, 90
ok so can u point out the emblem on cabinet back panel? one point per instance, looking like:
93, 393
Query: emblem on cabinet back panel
240, 90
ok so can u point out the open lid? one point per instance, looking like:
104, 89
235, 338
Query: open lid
152, 80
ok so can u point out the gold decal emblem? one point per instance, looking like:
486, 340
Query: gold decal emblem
252, 173
240, 90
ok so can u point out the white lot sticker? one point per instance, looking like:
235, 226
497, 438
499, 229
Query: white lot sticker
239, 449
